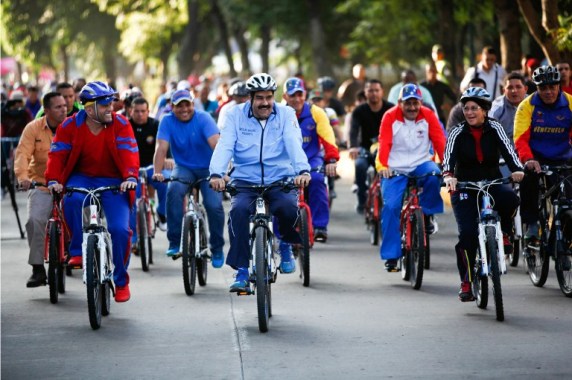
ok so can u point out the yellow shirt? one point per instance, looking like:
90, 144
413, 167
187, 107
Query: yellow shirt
32, 151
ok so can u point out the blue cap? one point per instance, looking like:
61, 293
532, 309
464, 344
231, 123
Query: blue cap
410, 91
293, 85
180, 95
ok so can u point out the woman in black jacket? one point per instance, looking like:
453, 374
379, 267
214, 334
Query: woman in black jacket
472, 153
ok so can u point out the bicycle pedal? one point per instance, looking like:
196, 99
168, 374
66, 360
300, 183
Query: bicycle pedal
245, 293
176, 256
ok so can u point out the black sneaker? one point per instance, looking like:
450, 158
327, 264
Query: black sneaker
321, 235
391, 265
38, 277
431, 226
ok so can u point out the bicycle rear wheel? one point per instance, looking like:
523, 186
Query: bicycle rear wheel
189, 258
492, 249
93, 283
143, 236
54, 265
202, 263
537, 263
417, 253
262, 278
427, 261
304, 248
480, 284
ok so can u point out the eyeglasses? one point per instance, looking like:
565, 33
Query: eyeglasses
471, 109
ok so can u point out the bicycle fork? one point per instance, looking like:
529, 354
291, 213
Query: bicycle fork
483, 249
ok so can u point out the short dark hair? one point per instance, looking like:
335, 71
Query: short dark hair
479, 81
47, 99
62, 85
489, 50
373, 81
139, 100
515, 75
33, 88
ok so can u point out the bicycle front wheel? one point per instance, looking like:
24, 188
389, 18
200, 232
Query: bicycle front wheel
562, 266
263, 276
480, 283
54, 264
93, 282
143, 236
304, 249
189, 257
202, 263
417, 253
493, 251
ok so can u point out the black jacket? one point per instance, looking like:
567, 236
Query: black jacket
461, 153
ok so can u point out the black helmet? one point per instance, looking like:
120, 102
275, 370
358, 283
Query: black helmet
326, 83
546, 75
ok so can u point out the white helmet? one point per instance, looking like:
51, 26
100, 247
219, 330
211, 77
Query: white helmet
261, 82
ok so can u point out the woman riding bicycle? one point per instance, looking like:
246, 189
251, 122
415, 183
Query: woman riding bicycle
472, 153
95, 148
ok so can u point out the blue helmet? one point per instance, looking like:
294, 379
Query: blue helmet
478, 95
97, 92
410, 91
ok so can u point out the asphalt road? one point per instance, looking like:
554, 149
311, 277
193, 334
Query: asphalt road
354, 321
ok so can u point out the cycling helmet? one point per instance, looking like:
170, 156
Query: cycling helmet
238, 89
326, 83
478, 95
261, 82
546, 75
410, 91
97, 91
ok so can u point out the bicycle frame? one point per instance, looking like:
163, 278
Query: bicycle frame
302, 204
62, 228
410, 204
151, 225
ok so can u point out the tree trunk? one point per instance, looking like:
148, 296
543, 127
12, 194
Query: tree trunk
538, 25
243, 47
164, 57
66, 62
265, 47
223, 28
322, 64
510, 33
189, 44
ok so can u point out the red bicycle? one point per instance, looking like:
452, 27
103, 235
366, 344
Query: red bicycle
146, 225
306, 230
414, 239
373, 206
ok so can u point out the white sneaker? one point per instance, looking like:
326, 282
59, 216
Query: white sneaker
162, 226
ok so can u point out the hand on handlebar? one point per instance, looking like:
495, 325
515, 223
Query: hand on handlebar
517, 176
158, 177
331, 169
533, 165
56, 187
385, 173
451, 183
354, 153
127, 185
302, 180
24, 184
217, 184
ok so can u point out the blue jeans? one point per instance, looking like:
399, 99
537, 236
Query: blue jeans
318, 200
392, 190
211, 200
116, 208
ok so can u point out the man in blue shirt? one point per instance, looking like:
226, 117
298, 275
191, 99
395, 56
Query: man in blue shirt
191, 135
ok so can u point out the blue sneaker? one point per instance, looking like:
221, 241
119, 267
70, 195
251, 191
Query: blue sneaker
288, 263
241, 283
217, 259
172, 252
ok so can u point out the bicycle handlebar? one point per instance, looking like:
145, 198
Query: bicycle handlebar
286, 185
479, 185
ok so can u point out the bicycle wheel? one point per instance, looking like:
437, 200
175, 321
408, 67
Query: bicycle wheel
480, 284
106, 298
143, 236
262, 278
427, 263
54, 265
537, 262
202, 263
304, 250
493, 250
189, 258
562, 266
93, 283
405, 257
417, 253
518, 247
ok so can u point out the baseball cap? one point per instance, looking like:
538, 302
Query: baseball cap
180, 95
410, 91
17, 95
294, 85
316, 94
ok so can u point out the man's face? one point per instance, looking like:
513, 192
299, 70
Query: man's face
184, 110
564, 69
103, 114
488, 60
548, 93
57, 110
140, 113
373, 93
69, 97
33, 96
410, 108
515, 91
262, 104
296, 100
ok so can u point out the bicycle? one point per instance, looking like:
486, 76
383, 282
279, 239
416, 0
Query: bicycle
306, 231
518, 235
414, 239
373, 206
553, 205
9, 145
194, 241
262, 251
146, 223
97, 255
490, 260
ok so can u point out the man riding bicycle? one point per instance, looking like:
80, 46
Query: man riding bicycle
407, 134
264, 141
95, 148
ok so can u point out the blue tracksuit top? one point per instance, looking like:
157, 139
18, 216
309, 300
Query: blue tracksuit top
260, 155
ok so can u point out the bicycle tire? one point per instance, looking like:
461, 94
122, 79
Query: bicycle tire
62, 278
92, 283
142, 235
54, 265
562, 268
480, 284
188, 256
417, 252
262, 278
518, 247
202, 263
538, 263
492, 254
304, 251
427, 262
374, 231
106, 298
404, 259
152, 228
